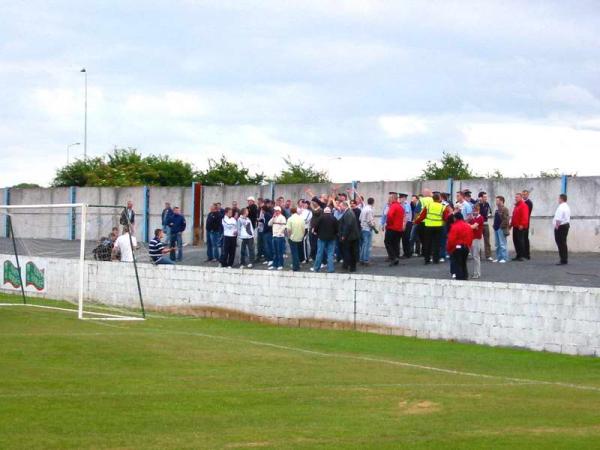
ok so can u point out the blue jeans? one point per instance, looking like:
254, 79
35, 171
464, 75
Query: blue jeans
501, 250
164, 260
365, 245
443, 241
177, 240
213, 246
295, 248
267, 240
325, 247
278, 249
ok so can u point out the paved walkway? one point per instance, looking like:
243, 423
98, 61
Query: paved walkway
582, 270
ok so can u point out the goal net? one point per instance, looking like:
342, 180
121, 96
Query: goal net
72, 257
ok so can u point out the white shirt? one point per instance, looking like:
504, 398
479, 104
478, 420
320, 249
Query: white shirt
306, 216
562, 214
123, 244
230, 226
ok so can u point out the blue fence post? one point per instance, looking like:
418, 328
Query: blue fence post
146, 221
563, 184
273, 192
72, 213
451, 188
6, 202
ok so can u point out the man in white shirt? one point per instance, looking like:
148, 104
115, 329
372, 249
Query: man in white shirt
123, 246
561, 222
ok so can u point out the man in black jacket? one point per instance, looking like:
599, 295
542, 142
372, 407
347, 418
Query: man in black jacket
214, 232
326, 229
349, 236
252, 211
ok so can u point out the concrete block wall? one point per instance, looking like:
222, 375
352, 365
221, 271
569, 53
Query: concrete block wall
538, 317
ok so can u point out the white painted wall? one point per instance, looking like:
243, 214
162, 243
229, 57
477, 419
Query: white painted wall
539, 317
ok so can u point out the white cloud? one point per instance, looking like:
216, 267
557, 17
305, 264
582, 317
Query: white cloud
402, 126
571, 95
172, 103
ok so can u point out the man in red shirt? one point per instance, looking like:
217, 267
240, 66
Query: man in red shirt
460, 238
520, 226
394, 228
477, 223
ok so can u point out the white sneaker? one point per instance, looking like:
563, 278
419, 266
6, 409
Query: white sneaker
280, 268
249, 266
270, 268
502, 261
494, 260
490, 259
270, 263
312, 269
442, 260
323, 266
475, 277
453, 275
229, 267
265, 263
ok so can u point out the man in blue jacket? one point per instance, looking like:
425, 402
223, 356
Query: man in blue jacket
177, 227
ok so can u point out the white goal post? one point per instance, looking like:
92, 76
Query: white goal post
41, 233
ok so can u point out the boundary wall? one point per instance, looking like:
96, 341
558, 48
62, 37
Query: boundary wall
538, 317
195, 201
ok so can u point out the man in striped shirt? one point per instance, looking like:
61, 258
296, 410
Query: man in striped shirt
157, 249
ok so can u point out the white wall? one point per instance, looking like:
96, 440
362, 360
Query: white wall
539, 317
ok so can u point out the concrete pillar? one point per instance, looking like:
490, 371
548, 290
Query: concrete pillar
6, 201
72, 226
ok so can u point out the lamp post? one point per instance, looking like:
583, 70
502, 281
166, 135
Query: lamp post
68, 147
85, 116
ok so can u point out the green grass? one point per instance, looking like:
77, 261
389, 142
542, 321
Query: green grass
180, 382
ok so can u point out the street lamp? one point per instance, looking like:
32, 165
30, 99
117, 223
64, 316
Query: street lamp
85, 117
68, 147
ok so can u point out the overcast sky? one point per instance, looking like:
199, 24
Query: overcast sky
386, 85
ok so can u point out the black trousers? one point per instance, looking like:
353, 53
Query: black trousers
392, 244
431, 243
406, 248
526, 253
560, 236
313, 239
458, 260
349, 251
228, 256
519, 242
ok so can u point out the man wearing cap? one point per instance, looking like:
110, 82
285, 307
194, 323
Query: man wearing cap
326, 229
394, 227
278, 222
468, 197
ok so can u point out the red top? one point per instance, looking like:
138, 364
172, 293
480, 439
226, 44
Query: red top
395, 217
477, 232
460, 234
520, 217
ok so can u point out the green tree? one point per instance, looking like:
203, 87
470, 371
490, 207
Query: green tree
449, 166
554, 173
495, 174
26, 185
223, 171
300, 173
126, 167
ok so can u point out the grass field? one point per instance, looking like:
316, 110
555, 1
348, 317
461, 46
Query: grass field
181, 382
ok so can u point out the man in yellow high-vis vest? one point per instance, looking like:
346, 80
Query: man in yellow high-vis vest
433, 218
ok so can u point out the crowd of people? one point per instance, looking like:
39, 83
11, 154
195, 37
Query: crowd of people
166, 247
339, 227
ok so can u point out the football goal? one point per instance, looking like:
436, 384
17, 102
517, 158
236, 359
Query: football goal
71, 257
